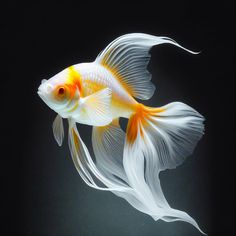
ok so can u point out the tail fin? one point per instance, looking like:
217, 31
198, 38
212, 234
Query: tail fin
159, 139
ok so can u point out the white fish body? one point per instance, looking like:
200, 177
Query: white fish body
95, 76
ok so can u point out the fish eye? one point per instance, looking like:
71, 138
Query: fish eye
61, 91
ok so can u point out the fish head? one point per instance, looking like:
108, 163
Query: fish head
58, 92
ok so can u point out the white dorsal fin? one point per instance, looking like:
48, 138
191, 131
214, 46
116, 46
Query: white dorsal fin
127, 58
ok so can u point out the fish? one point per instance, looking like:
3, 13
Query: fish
128, 161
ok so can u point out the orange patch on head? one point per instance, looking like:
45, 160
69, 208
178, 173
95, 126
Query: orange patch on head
74, 80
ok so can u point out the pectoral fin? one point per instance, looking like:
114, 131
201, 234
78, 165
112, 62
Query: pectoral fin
58, 129
95, 109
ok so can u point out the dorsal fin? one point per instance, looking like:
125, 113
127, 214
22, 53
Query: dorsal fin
127, 58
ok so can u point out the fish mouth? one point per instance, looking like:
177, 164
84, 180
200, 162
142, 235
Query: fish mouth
43, 81
41, 90
40, 93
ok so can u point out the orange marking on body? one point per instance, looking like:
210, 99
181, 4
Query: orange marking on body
135, 123
71, 89
66, 91
74, 80
138, 121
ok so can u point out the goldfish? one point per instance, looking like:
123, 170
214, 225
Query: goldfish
127, 163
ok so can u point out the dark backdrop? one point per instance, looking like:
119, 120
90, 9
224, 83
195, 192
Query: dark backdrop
42, 194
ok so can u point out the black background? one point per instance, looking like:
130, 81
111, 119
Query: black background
42, 194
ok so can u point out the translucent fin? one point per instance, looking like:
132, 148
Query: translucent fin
136, 156
176, 215
127, 58
152, 145
85, 165
175, 129
58, 129
95, 109
108, 145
